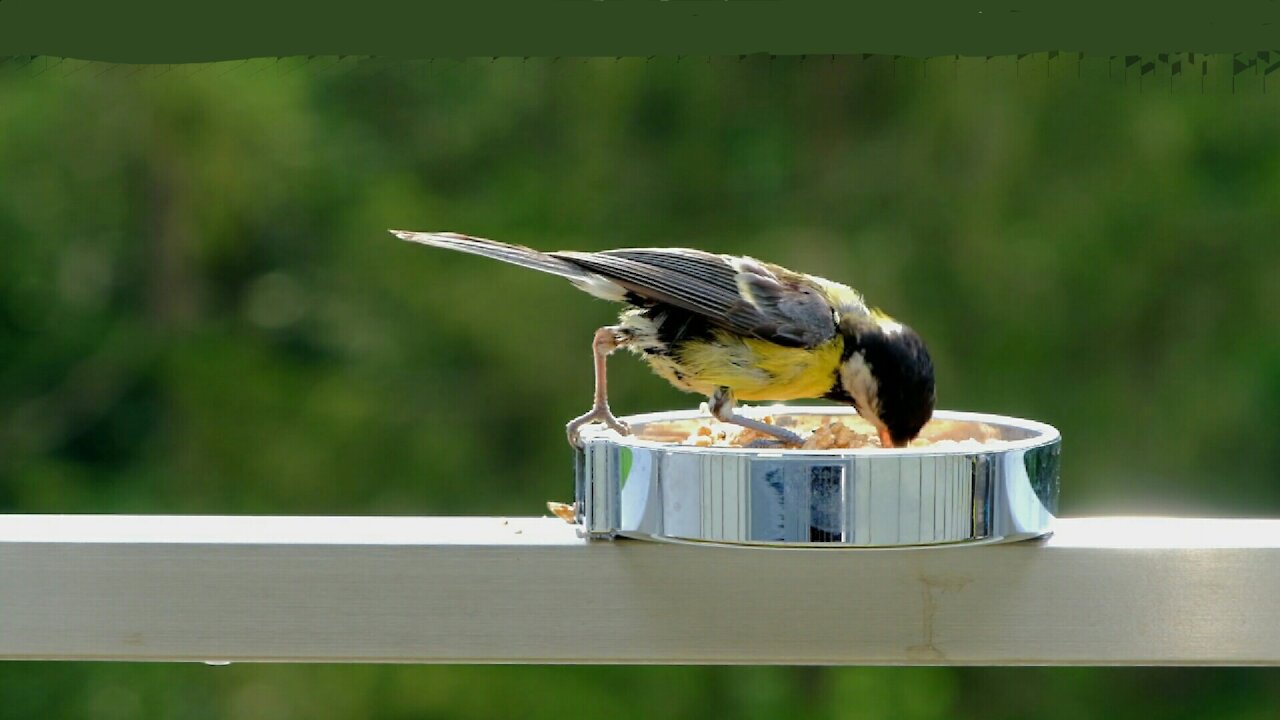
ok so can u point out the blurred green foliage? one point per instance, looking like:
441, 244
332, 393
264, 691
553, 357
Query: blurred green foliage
201, 311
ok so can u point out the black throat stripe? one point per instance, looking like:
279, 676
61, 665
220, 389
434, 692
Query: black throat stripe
838, 393
849, 348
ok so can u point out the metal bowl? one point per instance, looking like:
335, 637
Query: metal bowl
648, 485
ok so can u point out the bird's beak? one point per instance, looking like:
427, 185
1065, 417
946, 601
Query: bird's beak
886, 440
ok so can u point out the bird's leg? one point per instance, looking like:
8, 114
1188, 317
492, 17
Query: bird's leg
607, 340
721, 403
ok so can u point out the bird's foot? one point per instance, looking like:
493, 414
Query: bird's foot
721, 406
769, 443
599, 413
783, 437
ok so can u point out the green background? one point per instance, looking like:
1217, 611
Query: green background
201, 312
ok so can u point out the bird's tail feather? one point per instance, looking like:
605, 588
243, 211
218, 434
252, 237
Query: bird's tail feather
514, 254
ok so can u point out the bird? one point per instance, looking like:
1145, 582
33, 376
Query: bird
736, 328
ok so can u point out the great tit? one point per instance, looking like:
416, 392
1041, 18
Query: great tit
736, 328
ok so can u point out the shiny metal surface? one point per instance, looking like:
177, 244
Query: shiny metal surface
640, 487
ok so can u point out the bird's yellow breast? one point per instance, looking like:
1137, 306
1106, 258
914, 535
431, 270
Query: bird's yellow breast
754, 369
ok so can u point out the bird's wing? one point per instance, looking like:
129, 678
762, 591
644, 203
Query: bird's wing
739, 294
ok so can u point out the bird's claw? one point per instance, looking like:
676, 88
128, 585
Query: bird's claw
601, 414
782, 436
774, 443
788, 437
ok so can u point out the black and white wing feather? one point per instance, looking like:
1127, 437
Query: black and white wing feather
739, 294
743, 295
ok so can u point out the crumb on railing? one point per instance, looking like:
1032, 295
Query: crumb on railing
567, 513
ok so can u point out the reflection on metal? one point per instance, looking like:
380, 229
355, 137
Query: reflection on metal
1001, 490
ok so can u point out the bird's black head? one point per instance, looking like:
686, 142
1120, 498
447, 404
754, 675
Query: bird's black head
888, 373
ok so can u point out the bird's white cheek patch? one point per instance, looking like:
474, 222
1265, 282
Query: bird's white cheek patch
890, 327
856, 377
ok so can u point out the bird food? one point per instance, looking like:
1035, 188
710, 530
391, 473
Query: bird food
819, 432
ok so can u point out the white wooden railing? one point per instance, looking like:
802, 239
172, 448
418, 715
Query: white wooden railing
373, 589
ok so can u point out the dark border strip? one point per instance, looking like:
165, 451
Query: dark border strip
152, 31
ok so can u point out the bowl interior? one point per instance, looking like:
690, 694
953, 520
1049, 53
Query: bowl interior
941, 428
